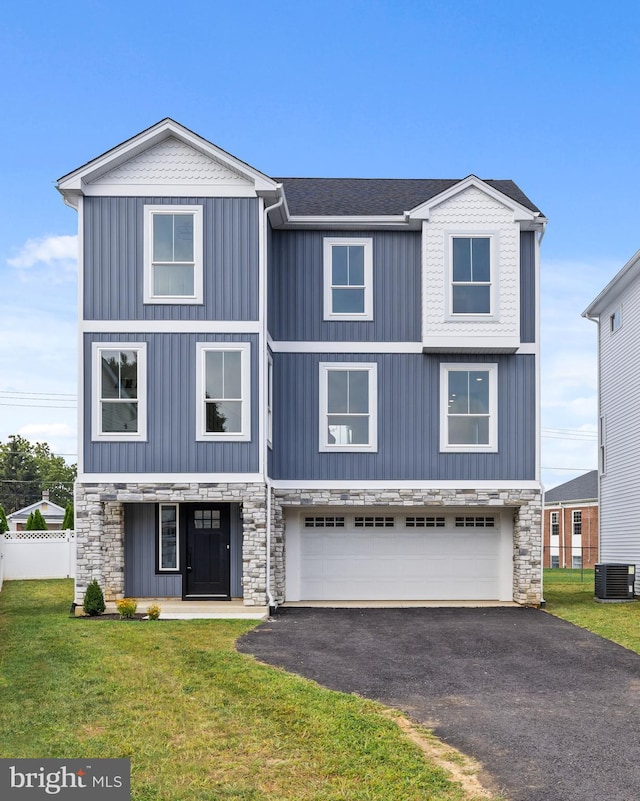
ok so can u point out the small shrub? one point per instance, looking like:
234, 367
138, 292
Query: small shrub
127, 608
153, 612
4, 525
93, 599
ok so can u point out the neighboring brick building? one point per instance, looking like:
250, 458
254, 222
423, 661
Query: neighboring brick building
571, 523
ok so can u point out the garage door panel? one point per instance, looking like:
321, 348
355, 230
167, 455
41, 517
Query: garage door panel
360, 564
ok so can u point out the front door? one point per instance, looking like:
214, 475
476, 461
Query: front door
207, 558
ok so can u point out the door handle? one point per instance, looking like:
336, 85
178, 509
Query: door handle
189, 568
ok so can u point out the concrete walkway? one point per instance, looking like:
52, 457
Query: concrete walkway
550, 710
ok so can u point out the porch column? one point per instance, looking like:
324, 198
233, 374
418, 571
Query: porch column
527, 551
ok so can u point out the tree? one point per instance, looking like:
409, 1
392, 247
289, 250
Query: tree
36, 522
4, 523
68, 522
26, 470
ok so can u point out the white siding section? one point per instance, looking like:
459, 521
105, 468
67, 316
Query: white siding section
620, 407
471, 213
171, 162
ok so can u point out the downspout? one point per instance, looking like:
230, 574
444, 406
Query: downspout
265, 461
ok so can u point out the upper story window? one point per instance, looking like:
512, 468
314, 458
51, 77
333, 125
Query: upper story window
555, 524
348, 407
223, 391
173, 269
469, 409
471, 275
119, 391
615, 320
576, 522
348, 279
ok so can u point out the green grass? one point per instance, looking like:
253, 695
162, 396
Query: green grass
198, 720
570, 595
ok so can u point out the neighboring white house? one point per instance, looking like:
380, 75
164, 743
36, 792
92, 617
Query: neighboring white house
616, 310
52, 513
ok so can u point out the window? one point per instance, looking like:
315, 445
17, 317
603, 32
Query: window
223, 391
348, 407
422, 521
348, 279
324, 521
119, 391
555, 524
471, 275
615, 320
576, 523
374, 522
555, 561
173, 254
269, 400
468, 399
475, 522
602, 446
576, 561
168, 538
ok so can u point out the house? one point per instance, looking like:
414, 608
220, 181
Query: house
52, 513
571, 523
616, 310
304, 389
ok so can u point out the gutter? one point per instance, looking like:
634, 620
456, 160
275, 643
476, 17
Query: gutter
265, 460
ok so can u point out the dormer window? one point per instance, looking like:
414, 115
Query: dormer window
471, 275
173, 254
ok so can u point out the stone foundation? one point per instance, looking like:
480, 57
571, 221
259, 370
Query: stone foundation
100, 527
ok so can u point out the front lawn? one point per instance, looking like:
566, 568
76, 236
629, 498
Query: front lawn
198, 720
570, 595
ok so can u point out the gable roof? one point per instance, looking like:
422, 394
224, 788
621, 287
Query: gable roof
53, 511
582, 488
623, 279
337, 197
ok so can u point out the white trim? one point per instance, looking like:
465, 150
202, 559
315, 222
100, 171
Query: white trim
528, 349
345, 347
97, 435
150, 212
244, 435
269, 400
82, 389
200, 189
371, 368
170, 326
492, 370
367, 244
170, 478
418, 485
176, 569
537, 240
471, 342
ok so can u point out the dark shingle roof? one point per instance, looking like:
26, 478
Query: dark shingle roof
583, 488
374, 196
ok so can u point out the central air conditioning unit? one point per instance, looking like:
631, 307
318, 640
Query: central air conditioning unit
614, 582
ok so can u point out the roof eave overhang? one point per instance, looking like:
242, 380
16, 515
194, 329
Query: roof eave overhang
337, 222
614, 288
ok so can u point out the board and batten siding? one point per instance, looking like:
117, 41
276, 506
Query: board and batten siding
527, 286
620, 407
408, 422
141, 530
171, 445
114, 260
296, 299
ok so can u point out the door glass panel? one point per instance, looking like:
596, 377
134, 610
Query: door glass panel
206, 518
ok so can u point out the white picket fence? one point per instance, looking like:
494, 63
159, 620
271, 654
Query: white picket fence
37, 555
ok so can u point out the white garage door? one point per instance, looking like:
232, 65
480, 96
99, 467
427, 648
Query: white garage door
365, 557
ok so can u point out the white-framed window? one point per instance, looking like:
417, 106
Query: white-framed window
168, 538
173, 254
348, 278
471, 285
555, 560
469, 407
223, 391
603, 446
348, 407
269, 400
555, 524
119, 409
576, 561
615, 320
576, 522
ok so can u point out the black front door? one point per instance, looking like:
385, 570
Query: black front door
207, 558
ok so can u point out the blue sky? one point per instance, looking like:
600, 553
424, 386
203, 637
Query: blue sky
546, 94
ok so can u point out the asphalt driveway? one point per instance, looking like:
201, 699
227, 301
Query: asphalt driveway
551, 711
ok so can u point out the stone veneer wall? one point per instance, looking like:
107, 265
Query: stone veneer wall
527, 529
100, 530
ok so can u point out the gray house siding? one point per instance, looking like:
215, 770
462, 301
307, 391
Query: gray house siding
171, 445
141, 579
527, 286
408, 422
296, 288
114, 260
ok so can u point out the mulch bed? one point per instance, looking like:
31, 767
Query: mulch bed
111, 616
